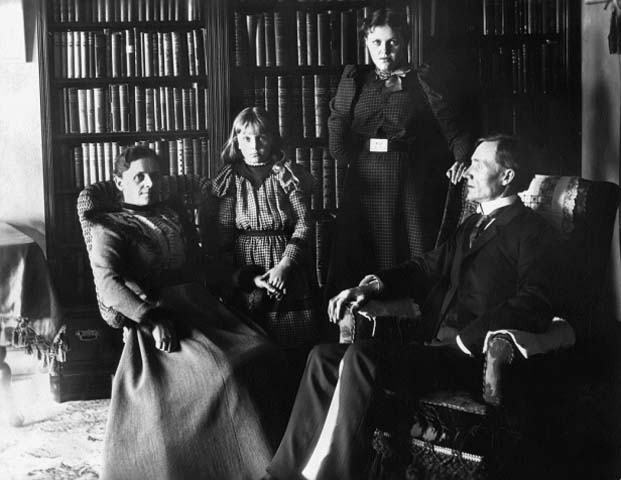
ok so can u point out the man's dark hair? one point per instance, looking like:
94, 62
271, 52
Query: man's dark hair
388, 17
514, 153
131, 154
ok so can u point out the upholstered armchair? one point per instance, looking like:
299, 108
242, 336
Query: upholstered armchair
527, 378
192, 191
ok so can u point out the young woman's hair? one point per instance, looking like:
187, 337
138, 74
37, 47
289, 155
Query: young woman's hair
388, 17
262, 122
130, 154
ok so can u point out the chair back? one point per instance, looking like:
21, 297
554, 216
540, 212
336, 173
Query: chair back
583, 212
103, 197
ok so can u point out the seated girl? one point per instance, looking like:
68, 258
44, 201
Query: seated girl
190, 398
265, 220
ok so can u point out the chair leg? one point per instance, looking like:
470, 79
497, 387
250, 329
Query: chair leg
12, 415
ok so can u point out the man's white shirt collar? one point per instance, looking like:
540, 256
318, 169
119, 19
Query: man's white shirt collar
488, 207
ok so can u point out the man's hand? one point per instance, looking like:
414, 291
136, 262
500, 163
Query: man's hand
352, 298
162, 331
456, 172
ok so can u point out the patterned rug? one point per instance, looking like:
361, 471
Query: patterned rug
58, 441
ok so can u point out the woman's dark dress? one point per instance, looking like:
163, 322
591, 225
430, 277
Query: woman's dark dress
197, 412
393, 201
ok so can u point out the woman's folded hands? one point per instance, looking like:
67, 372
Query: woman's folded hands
157, 323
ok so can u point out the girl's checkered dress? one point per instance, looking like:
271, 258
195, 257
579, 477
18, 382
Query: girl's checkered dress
393, 201
261, 225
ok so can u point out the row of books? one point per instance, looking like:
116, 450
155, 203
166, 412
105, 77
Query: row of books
328, 176
121, 108
299, 103
91, 162
504, 17
524, 119
129, 53
96, 11
525, 68
324, 38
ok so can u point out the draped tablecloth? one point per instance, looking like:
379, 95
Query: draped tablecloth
29, 310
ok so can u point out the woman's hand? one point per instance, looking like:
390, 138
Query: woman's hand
456, 172
162, 331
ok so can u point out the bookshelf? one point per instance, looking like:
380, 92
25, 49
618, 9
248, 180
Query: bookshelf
517, 67
115, 73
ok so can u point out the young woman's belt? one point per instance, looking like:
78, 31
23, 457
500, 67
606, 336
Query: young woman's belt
264, 233
383, 145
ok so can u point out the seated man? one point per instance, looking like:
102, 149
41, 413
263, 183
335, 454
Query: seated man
493, 273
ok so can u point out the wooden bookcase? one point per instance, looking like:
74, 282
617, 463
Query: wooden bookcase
115, 73
515, 64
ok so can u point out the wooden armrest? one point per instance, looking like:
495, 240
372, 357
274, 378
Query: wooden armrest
394, 320
500, 352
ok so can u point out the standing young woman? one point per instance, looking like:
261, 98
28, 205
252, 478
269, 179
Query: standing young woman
393, 128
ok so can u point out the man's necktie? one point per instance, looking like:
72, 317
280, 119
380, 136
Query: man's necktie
478, 228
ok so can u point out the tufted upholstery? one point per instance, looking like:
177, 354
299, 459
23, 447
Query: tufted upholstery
192, 191
453, 435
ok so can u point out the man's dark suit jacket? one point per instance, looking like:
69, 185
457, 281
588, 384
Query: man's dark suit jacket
502, 282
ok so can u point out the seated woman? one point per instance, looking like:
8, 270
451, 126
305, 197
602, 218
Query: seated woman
190, 398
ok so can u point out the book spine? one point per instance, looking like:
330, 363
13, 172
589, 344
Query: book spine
270, 39
78, 167
240, 40
260, 41
124, 106
328, 180
283, 105
272, 95
308, 106
316, 170
323, 39
280, 39
99, 110
311, 39
300, 22
149, 110
321, 106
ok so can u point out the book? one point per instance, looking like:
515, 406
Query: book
251, 35
284, 100
99, 110
124, 107
300, 23
270, 39
271, 96
311, 38
328, 180
323, 39
308, 106
260, 41
82, 111
78, 171
280, 39
316, 170
240, 40
321, 105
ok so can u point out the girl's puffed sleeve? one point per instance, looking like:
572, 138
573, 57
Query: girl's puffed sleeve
298, 184
223, 189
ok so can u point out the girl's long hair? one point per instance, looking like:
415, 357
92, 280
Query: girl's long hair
262, 122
